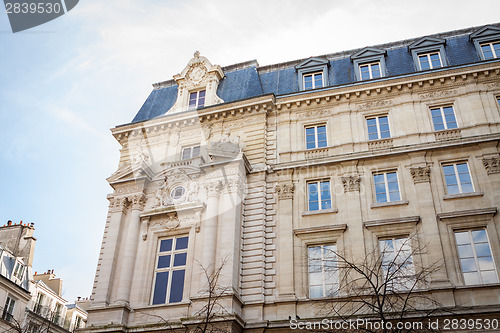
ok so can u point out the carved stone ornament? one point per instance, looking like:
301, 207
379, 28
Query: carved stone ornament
351, 183
421, 174
285, 191
118, 205
137, 201
175, 179
140, 154
492, 164
214, 188
170, 222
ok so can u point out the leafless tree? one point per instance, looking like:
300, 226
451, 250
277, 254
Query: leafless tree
386, 286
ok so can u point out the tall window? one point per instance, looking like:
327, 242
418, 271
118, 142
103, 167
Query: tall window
443, 118
18, 270
190, 152
39, 303
491, 50
386, 187
57, 313
429, 60
8, 310
170, 270
323, 274
319, 195
378, 128
316, 136
475, 257
397, 262
313, 80
457, 178
197, 99
370, 71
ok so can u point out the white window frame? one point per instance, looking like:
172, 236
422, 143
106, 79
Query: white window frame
386, 185
492, 49
443, 118
428, 56
8, 310
370, 70
197, 105
408, 274
475, 257
313, 74
171, 268
320, 201
377, 120
191, 150
324, 270
18, 271
316, 140
456, 174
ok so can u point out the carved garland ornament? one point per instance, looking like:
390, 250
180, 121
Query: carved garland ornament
421, 174
285, 191
351, 183
492, 165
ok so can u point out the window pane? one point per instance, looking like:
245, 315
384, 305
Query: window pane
462, 237
181, 243
468, 265
376, 71
163, 261
489, 277
465, 251
196, 151
486, 263
308, 82
177, 287
180, 259
316, 291
160, 293
479, 236
482, 250
487, 53
424, 62
471, 278
166, 245
436, 62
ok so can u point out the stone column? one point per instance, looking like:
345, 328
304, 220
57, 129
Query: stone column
284, 214
129, 254
421, 174
351, 182
210, 225
109, 251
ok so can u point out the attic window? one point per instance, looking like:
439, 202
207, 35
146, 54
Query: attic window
197, 99
487, 42
369, 63
312, 74
313, 80
428, 53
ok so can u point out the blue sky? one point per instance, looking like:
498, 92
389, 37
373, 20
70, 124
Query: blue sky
64, 84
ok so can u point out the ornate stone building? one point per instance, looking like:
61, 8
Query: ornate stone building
255, 172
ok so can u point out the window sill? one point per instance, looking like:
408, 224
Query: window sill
462, 195
484, 285
183, 303
321, 211
392, 203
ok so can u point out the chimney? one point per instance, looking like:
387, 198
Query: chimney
9, 222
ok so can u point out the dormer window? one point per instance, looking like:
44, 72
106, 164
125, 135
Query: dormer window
369, 63
190, 152
487, 42
18, 270
428, 53
312, 74
313, 80
197, 99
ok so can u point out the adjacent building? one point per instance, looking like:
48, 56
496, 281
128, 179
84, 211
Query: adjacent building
253, 174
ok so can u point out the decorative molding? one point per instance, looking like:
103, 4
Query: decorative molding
285, 190
438, 94
463, 195
321, 211
351, 183
378, 144
448, 134
398, 220
492, 164
118, 205
375, 104
421, 174
236, 186
391, 203
314, 114
316, 153
321, 229
487, 212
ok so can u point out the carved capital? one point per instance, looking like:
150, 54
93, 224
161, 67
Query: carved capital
351, 183
137, 201
285, 190
214, 189
235, 186
421, 174
492, 164
118, 205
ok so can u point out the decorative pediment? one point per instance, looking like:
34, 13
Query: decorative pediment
198, 75
368, 52
427, 42
131, 172
486, 31
176, 186
312, 62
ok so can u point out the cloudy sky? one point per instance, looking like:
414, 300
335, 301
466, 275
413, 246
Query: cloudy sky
64, 84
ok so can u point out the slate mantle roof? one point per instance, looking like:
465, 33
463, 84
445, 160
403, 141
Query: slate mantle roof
248, 79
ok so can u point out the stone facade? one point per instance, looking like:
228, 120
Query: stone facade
245, 203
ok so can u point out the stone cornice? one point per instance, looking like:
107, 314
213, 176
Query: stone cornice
466, 213
385, 222
323, 229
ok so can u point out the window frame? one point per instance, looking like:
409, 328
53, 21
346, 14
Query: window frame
443, 117
316, 139
492, 49
429, 60
313, 75
457, 178
407, 242
8, 315
427, 45
170, 269
370, 70
197, 99
475, 257
485, 35
312, 66
379, 132
324, 278
367, 56
318, 183
386, 186
191, 150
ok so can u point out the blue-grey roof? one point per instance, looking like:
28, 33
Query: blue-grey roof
282, 79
